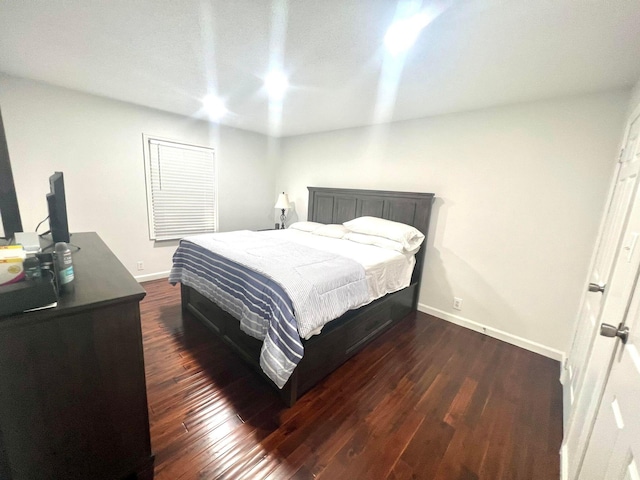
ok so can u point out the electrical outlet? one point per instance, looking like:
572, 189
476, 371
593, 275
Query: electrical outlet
457, 303
140, 265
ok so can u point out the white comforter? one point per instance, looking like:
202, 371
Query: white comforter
321, 284
386, 271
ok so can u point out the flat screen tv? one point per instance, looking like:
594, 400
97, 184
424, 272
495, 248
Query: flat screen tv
56, 201
9, 211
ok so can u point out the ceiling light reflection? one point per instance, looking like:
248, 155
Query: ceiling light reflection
214, 107
402, 34
276, 84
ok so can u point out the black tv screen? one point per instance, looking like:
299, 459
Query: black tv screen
56, 201
9, 211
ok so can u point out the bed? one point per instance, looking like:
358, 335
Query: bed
343, 337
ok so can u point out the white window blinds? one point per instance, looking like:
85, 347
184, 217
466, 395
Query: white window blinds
181, 189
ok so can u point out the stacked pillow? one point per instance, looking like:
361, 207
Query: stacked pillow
306, 226
332, 230
370, 231
380, 232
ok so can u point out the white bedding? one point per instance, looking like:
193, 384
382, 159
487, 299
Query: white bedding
386, 270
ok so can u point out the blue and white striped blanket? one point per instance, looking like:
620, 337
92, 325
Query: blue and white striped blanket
280, 291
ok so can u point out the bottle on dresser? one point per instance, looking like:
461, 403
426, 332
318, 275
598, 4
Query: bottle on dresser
64, 267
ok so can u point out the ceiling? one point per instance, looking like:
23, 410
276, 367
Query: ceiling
169, 54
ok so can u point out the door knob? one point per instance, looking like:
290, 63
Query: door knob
594, 287
621, 331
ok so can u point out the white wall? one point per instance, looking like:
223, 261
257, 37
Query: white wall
97, 143
520, 191
635, 98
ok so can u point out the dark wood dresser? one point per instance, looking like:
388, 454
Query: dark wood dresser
73, 400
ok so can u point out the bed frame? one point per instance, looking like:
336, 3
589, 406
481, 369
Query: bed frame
344, 337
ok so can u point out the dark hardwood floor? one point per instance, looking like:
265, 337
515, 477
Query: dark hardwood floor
428, 400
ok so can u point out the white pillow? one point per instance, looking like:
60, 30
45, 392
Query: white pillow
306, 226
333, 231
376, 241
411, 238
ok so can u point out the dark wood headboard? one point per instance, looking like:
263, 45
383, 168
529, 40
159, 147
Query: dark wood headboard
338, 205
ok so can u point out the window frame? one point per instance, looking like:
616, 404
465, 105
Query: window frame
147, 140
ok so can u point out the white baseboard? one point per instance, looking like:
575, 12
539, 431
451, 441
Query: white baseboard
495, 333
565, 383
151, 276
563, 370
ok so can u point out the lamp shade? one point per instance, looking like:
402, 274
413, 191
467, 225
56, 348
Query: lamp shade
283, 201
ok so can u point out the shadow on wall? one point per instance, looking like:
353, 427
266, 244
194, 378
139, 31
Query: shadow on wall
434, 276
446, 275
292, 214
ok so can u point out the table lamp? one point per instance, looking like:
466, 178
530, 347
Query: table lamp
282, 204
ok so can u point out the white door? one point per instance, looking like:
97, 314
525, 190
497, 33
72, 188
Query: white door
613, 270
614, 448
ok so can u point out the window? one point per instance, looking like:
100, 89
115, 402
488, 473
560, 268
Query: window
181, 189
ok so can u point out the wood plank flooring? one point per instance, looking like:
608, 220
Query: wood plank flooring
428, 400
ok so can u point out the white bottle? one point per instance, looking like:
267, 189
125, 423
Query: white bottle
64, 267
